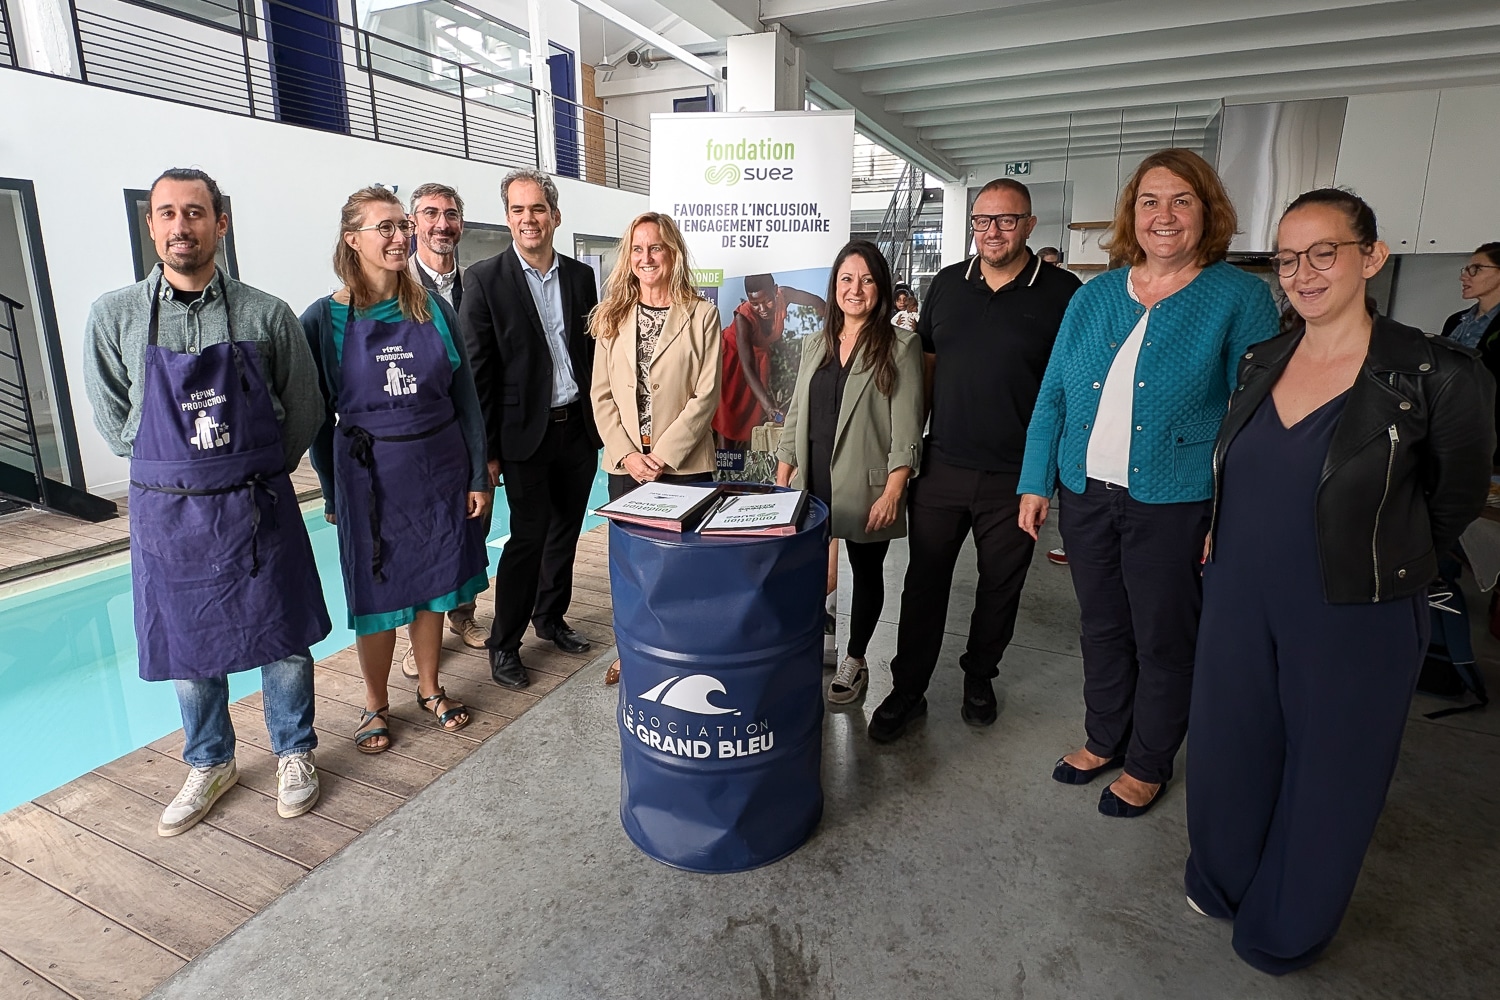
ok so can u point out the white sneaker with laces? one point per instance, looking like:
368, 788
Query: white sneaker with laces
296, 784
849, 681
202, 789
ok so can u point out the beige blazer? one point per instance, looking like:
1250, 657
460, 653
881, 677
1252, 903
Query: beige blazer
684, 391
874, 436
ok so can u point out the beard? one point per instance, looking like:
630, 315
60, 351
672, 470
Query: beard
188, 258
441, 244
1005, 256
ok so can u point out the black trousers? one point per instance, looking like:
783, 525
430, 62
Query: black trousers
867, 568
548, 495
1136, 571
946, 503
621, 484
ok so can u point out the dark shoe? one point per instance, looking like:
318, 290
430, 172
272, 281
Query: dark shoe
565, 638
980, 708
894, 714
1111, 804
507, 669
1070, 775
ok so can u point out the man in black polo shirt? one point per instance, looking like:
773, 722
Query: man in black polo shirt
987, 331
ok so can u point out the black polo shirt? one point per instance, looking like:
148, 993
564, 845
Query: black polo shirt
991, 350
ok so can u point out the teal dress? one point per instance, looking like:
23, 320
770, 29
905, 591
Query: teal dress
389, 311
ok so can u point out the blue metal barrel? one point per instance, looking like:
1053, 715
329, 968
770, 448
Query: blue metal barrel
721, 708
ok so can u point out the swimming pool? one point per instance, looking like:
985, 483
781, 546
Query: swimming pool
70, 695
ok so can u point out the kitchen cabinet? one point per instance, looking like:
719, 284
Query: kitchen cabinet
1383, 158
1461, 205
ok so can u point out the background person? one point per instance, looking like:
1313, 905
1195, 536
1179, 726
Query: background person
1354, 452
857, 407
745, 399
1050, 255
225, 502
1479, 325
403, 472
906, 313
987, 330
1124, 425
525, 320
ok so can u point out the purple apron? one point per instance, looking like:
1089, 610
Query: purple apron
402, 469
222, 570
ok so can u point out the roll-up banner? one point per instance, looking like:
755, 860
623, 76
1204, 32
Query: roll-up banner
763, 202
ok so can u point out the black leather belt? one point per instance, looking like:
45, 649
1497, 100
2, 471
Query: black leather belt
572, 411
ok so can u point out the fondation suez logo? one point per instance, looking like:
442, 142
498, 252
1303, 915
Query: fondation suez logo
731, 162
664, 723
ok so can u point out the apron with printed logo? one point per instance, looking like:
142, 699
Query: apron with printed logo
402, 469
222, 569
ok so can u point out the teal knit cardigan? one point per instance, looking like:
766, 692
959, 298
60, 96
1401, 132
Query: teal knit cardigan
1184, 375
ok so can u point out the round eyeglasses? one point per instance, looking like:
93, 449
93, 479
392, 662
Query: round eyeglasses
1321, 256
1472, 270
386, 228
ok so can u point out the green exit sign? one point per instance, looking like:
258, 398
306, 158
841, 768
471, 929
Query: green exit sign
1017, 167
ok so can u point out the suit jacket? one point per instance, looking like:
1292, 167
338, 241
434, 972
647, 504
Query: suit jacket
874, 436
512, 364
420, 273
684, 391
1489, 349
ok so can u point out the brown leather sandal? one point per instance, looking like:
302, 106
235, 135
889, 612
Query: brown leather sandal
612, 675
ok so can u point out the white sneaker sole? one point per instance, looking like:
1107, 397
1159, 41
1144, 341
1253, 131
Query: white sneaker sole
292, 812
1196, 908
194, 820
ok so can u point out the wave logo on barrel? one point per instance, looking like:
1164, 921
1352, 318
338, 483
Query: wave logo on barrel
685, 738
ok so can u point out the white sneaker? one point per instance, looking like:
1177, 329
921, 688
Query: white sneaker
1196, 908
848, 681
202, 789
296, 784
474, 635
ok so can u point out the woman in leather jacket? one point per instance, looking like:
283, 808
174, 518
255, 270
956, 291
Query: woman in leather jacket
1355, 450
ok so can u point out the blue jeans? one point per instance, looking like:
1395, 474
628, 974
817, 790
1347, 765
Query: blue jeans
287, 696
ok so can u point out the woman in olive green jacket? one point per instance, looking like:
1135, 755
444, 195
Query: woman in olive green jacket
853, 437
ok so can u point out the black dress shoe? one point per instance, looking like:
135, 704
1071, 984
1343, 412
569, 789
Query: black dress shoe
893, 716
1112, 805
980, 708
565, 638
507, 669
1070, 775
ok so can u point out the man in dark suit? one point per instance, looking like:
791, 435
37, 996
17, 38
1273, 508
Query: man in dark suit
525, 321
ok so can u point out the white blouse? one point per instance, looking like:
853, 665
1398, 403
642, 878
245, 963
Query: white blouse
1109, 441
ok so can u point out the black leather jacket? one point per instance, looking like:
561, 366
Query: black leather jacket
1408, 467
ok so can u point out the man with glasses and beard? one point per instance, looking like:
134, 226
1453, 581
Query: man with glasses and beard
437, 212
987, 331
208, 386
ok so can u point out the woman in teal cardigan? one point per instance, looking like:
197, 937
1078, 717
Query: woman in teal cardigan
1125, 423
853, 437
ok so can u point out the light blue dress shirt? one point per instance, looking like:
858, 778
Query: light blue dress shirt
1471, 328
546, 292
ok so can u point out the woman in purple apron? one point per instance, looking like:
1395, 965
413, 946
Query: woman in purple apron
401, 457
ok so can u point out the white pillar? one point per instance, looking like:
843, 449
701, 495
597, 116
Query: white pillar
765, 73
955, 221
541, 81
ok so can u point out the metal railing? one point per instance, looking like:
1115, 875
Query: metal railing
894, 238
288, 65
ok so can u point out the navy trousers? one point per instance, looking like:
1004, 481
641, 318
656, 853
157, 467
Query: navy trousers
1297, 714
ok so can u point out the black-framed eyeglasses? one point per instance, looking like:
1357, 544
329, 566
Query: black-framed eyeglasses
1007, 223
386, 228
1321, 256
1472, 270
432, 214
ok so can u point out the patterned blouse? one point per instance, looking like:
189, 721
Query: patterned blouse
649, 321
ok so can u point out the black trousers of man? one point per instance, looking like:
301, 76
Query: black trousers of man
947, 503
548, 495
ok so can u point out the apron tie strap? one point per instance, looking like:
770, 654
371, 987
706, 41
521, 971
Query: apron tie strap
362, 450
257, 485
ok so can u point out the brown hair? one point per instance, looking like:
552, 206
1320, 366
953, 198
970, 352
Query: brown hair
346, 264
623, 289
1219, 219
877, 339
434, 190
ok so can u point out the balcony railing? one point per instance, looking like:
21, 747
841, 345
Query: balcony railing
286, 64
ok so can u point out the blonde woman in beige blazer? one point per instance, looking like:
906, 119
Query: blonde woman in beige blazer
853, 437
656, 366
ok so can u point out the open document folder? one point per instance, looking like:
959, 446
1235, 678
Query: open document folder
764, 514
661, 505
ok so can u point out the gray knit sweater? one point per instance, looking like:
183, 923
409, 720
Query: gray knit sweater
115, 349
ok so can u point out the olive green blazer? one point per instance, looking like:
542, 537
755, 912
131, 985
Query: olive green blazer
875, 435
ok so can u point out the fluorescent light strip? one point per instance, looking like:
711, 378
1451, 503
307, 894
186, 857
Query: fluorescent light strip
645, 34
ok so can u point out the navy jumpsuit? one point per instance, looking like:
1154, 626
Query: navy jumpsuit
1298, 705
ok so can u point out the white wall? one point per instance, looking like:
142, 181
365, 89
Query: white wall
1426, 290
82, 146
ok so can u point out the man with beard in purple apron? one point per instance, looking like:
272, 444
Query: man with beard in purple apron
208, 386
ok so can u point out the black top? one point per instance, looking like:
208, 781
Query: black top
991, 350
825, 395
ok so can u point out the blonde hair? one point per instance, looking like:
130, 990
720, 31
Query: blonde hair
623, 289
410, 294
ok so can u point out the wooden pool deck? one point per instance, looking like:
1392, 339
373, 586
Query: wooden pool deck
94, 905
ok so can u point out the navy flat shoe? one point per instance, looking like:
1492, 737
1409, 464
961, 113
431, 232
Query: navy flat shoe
1112, 805
1070, 775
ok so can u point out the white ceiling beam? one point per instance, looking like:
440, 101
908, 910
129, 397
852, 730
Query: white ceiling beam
666, 76
1473, 71
1191, 73
835, 90
618, 17
1257, 38
812, 17
927, 41
1042, 151
717, 18
958, 148
1183, 111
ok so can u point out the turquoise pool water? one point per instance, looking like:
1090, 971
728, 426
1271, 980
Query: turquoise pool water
70, 695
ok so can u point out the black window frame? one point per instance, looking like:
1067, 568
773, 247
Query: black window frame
140, 238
